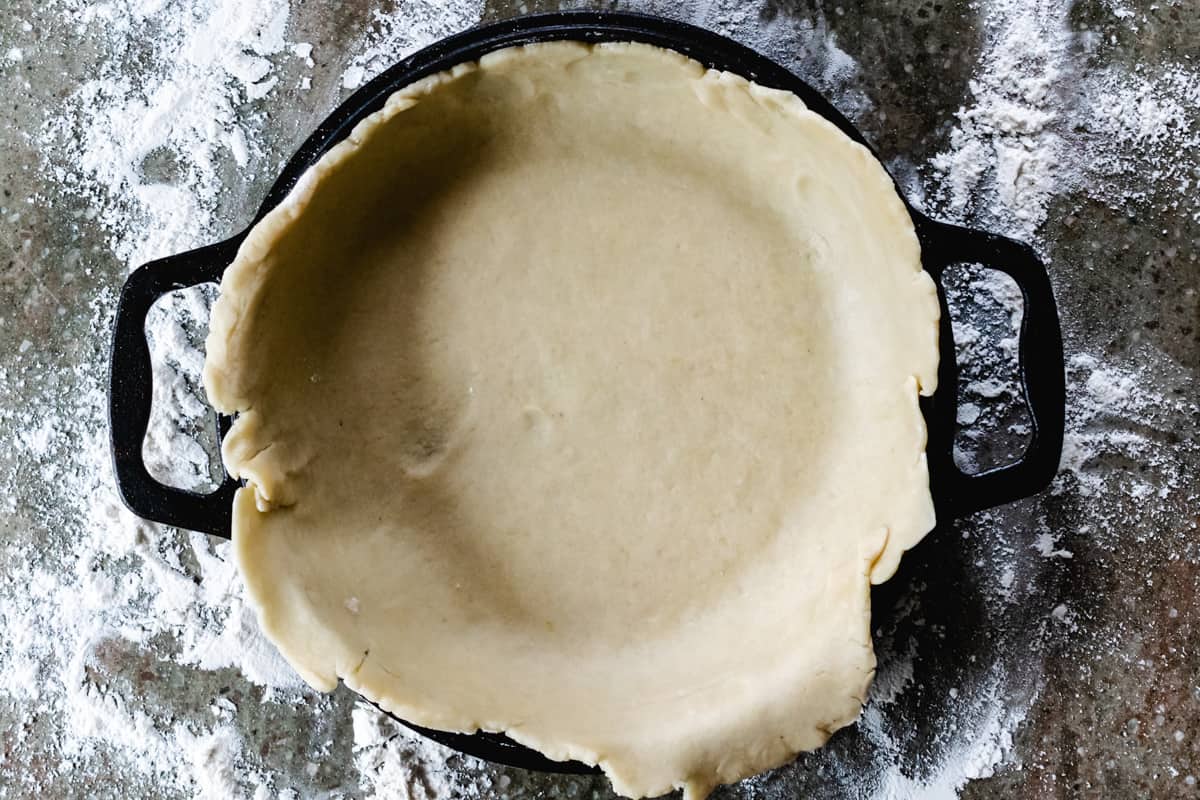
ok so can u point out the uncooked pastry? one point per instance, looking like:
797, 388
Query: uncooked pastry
577, 397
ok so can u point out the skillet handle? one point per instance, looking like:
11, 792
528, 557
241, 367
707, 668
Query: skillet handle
1040, 368
129, 395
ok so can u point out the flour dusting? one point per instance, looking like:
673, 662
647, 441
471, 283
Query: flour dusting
1039, 126
154, 153
1005, 148
393, 35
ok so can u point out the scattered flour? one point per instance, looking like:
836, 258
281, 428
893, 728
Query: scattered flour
975, 753
1134, 120
1116, 419
1005, 158
1040, 126
151, 151
397, 764
392, 35
214, 759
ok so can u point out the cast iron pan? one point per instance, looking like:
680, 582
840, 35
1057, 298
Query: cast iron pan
955, 493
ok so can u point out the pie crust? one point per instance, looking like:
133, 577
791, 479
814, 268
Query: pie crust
577, 399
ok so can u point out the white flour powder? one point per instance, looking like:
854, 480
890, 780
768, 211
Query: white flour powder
1005, 148
193, 109
1039, 127
153, 156
393, 35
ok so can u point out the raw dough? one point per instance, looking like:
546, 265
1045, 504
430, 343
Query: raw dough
577, 398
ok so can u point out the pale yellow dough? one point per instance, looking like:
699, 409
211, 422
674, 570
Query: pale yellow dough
577, 398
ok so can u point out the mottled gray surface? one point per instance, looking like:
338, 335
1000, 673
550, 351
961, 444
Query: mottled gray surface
1111, 689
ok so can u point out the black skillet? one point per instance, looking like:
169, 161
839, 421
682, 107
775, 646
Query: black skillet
955, 493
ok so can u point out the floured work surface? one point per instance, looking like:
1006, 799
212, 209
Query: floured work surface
577, 399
